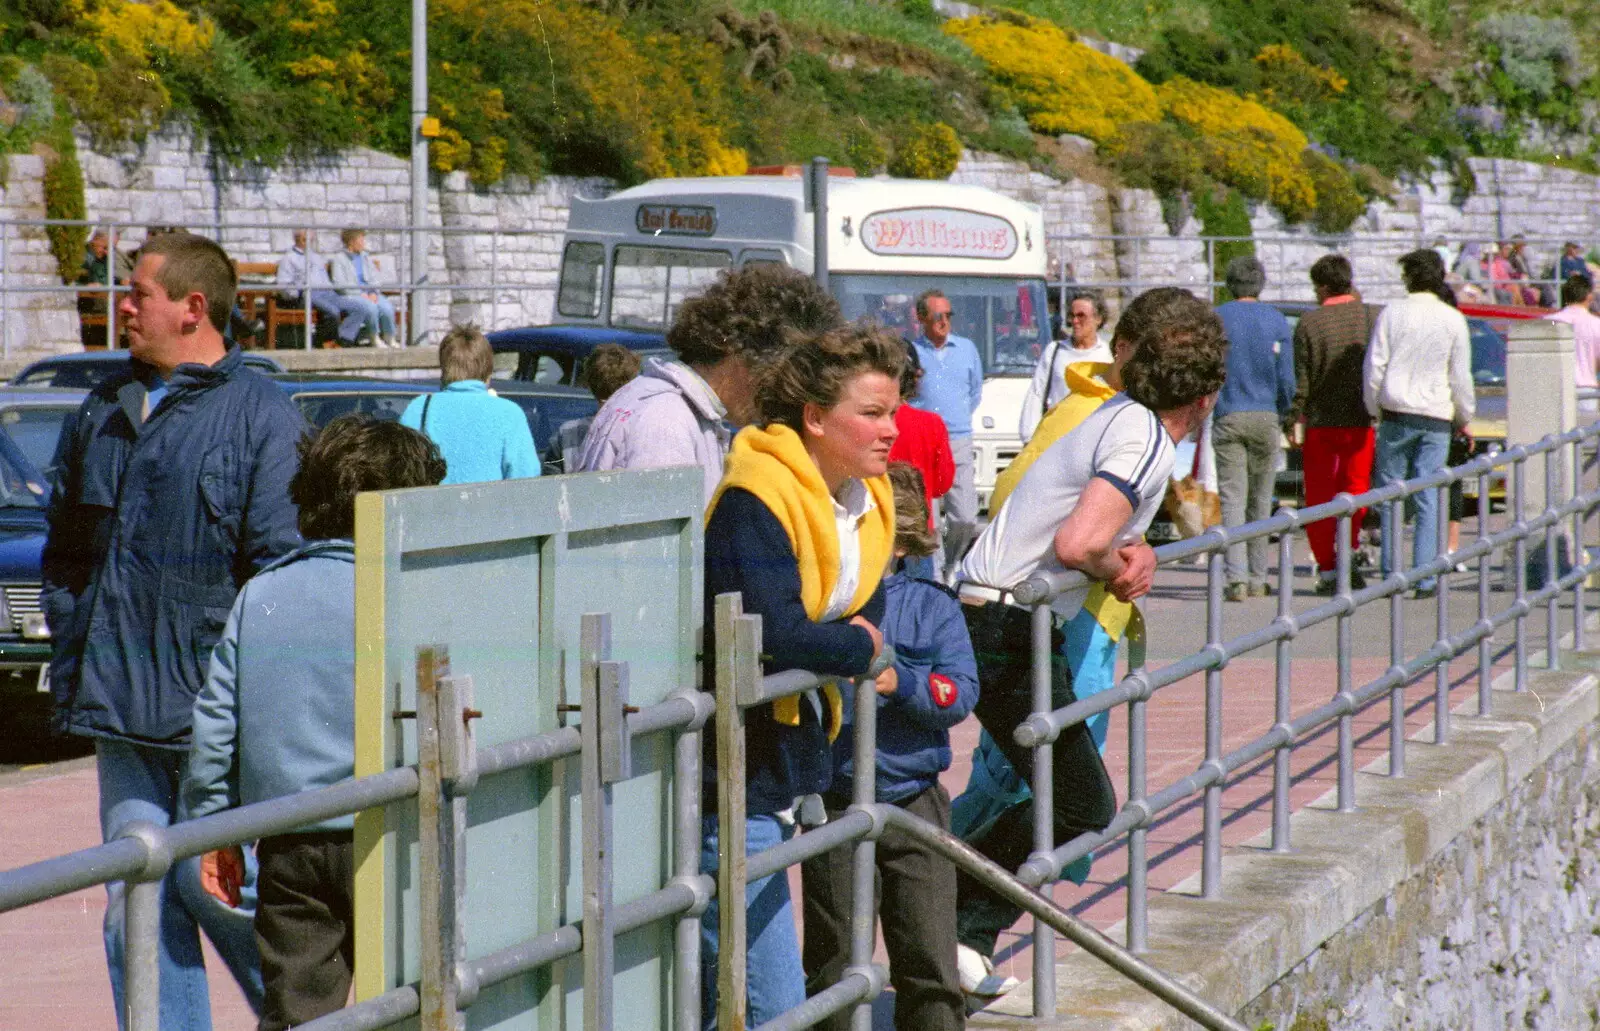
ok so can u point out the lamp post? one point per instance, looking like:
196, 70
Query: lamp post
420, 131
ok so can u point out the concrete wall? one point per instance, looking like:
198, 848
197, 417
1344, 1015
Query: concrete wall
1461, 897
171, 180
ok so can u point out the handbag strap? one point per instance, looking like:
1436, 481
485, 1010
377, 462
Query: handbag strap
426, 401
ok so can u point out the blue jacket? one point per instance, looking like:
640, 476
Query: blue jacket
747, 550
155, 524
938, 686
277, 713
1260, 360
482, 437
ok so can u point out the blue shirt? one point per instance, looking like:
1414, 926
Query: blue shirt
952, 382
482, 437
1260, 359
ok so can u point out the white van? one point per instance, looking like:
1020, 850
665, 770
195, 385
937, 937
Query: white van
630, 259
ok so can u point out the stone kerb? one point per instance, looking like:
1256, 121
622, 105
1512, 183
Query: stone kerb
1295, 933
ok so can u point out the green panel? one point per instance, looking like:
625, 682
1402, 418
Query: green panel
502, 574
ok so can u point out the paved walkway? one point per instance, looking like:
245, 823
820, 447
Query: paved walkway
53, 975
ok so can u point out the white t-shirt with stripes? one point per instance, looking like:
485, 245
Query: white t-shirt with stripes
1121, 442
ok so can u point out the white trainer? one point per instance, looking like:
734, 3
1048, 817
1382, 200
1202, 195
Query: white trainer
978, 976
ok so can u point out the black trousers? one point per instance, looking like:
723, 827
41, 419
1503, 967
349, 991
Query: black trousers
915, 887
1084, 799
303, 925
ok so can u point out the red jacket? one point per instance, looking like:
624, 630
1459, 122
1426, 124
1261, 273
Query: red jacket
925, 444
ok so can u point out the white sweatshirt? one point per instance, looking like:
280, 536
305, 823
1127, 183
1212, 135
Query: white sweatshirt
1419, 361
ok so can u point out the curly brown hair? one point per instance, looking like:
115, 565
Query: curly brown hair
356, 453
912, 534
750, 312
1180, 350
815, 370
608, 369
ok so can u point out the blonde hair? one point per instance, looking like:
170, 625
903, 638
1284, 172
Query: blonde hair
815, 370
912, 534
464, 353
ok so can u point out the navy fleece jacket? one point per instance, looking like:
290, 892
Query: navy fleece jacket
938, 686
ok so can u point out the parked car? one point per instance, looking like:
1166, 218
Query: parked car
84, 370
555, 354
24, 638
547, 407
322, 398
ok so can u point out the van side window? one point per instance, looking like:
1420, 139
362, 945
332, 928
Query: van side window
649, 283
579, 291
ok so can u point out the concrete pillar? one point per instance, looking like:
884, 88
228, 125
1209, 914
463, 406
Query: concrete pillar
1541, 395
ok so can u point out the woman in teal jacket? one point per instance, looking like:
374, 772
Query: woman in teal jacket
482, 437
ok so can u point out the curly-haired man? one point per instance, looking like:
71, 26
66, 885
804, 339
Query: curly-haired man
676, 412
1084, 504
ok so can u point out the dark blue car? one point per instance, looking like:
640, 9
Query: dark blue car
555, 354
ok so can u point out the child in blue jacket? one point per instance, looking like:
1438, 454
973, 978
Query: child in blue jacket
932, 687
276, 716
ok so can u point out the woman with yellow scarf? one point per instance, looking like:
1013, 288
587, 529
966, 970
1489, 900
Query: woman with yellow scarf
802, 526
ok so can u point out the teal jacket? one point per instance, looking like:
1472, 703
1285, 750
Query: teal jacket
482, 437
277, 713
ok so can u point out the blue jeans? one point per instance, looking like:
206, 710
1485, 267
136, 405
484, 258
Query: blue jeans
1406, 451
775, 981
140, 784
353, 313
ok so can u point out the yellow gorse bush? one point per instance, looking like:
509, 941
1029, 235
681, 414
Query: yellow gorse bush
141, 30
1247, 146
1057, 83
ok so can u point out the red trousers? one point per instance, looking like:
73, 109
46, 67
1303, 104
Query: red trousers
1335, 460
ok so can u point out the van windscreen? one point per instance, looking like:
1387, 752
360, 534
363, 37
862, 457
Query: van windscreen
649, 283
1007, 318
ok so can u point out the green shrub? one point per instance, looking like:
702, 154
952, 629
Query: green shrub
1223, 213
1339, 203
1157, 156
929, 151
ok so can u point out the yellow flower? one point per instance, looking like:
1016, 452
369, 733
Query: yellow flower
1246, 145
139, 30
1059, 84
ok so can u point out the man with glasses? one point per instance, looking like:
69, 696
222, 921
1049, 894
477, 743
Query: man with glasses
952, 386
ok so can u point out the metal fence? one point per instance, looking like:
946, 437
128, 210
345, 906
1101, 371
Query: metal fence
1124, 265
450, 768
513, 270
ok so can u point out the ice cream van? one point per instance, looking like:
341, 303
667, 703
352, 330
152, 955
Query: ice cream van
631, 258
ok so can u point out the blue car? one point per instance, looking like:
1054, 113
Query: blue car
555, 354
84, 370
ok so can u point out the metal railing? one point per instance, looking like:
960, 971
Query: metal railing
507, 285
1558, 515
450, 767
1136, 263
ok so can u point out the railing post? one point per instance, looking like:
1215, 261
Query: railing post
1138, 864
142, 955
686, 864
494, 279
599, 946
1485, 643
111, 292
1580, 553
864, 869
437, 886
1441, 672
1282, 707
1519, 559
1397, 661
5, 288
734, 633
1044, 843
1211, 841
1552, 566
1341, 565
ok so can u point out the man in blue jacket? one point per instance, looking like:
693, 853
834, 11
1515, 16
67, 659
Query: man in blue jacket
1247, 423
172, 492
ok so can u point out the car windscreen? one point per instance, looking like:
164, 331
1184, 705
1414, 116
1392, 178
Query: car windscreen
546, 415
22, 485
321, 408
36, 430
1488, 353
1008, 319
81, 375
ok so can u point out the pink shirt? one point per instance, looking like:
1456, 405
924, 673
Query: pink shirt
1585, 338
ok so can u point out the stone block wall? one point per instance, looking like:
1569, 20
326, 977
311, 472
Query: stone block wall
497, 252
32, 321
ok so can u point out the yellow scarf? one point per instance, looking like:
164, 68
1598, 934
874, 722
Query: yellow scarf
772, 464
1086, 392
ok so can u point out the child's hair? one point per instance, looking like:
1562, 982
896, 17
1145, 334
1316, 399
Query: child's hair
608, 369
356, 453
912, 534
